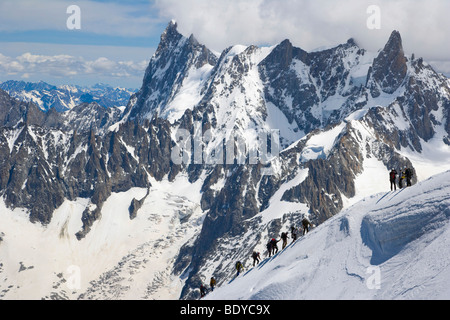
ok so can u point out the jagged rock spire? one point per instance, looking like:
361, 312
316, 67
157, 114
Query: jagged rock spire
175, 57
389, 68
169, 36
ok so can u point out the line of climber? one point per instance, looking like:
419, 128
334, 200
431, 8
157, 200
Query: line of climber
272, 249
272, 245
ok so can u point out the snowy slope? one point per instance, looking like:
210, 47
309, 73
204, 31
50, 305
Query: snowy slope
393, 245
119, 259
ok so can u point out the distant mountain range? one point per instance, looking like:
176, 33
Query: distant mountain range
66, 97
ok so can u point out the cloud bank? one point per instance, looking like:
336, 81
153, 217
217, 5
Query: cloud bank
424, 25
66, 67
308, 24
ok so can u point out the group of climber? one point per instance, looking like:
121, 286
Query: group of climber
272, 245
405, 175
204, 290
272, 249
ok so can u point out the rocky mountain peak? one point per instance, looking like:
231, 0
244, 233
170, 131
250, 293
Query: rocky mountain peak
170, 34
389, 68
175, 59
281, 57
395, 42
352, 42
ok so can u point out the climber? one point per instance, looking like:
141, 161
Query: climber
274, 245
402, 177
392, 178
306, 224
212, 283
294, 232
256, 257
239, 268
284, 237
202, 291
409, 174
269, 248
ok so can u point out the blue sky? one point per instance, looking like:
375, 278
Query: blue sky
117, 37
113, 45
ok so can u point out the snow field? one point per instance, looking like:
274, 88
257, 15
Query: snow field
140, 251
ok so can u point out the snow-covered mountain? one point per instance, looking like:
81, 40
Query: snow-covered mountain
152, 200
66, 97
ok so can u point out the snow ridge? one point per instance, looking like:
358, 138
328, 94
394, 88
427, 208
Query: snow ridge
392, 245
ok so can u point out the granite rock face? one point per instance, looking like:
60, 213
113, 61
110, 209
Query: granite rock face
389, 69
171, 64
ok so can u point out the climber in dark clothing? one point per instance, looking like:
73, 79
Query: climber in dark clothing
393, 178
408, 175
202, 291
256, 257
293, 233
269, 248
274, 242
306, 224
284, 237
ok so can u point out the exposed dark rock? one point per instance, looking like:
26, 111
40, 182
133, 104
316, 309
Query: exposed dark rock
389, 68
136, 205
173, 58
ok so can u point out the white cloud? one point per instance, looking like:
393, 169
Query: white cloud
74, 64
309, 24
65, 66
424, 25
441, 66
